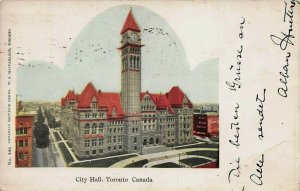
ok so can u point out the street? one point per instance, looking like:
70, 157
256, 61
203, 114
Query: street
49, 156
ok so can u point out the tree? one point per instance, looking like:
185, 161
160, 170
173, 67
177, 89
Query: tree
41, 131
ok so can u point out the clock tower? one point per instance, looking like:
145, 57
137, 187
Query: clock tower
131, 82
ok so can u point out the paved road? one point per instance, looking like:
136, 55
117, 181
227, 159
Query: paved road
49, 156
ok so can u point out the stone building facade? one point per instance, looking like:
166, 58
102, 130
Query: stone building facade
98, 123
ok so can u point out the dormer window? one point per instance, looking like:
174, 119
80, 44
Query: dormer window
184, 102
94, 105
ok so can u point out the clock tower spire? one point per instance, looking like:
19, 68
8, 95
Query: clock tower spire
130, 47
130, 65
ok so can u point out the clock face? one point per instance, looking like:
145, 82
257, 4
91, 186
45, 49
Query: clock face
134, 37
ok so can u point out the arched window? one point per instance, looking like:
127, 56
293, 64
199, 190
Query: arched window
87, 128
94, 126
134, 66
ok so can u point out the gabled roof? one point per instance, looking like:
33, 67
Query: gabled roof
107, 101
130, 24
71, 95
160, 100
176, 95
85, 98
110, 101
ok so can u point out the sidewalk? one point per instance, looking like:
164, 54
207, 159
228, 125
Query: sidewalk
162, 157
175, 160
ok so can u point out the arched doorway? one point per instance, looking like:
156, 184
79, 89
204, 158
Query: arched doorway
145, 142
151, 141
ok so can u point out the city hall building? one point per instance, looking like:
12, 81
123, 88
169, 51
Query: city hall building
132, 121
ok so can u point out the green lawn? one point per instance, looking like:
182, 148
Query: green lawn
210, 154
194, 161
57, 137
66, 154
167, 165
137, 164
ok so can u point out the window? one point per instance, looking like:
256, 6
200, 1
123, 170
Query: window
94, 126
115, 148
94, 115
87, 128
87, 143
25, 155
21, 156
109, 139
100, 130
22, 131
100, 150
94, 143
26, 143
94, 152
94, 105
21, 143
101, 125
135, 147
87, 115
120, 147
115, 139
100, 142
108, 148
102, 115
87, 152
134, 140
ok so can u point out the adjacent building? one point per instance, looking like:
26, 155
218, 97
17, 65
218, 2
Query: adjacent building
24, 125
206, 124
98, 123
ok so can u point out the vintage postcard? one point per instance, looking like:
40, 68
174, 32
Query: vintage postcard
150, 95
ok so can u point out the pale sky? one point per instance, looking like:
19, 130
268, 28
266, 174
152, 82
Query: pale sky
71, 47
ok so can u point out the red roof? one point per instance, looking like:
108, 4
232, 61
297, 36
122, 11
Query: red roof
85, 98
71, 95
108, 101
176, 95
160, 100
111, 101
130, 24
